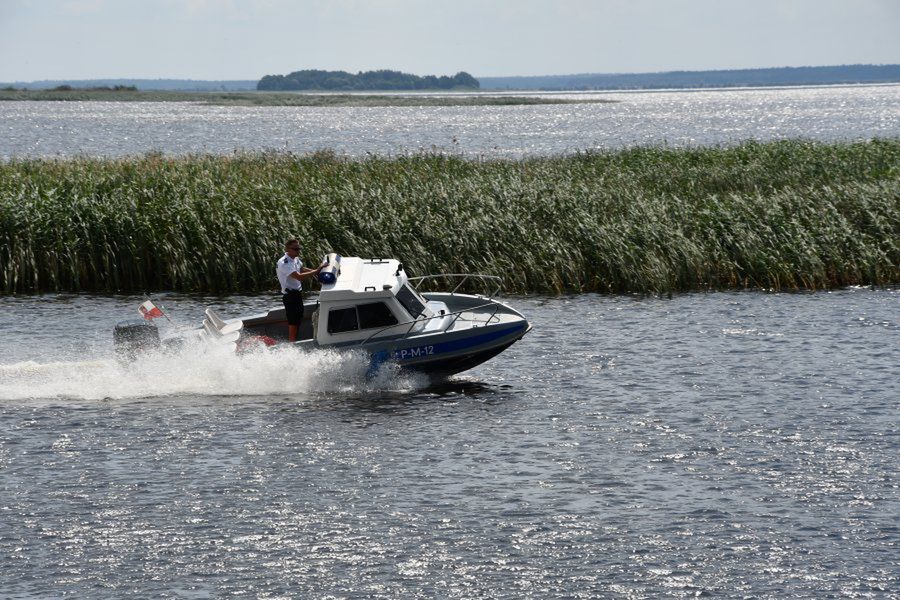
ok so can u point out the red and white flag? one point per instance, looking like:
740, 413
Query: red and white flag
149, 311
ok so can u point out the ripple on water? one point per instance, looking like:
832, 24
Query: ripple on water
642, 450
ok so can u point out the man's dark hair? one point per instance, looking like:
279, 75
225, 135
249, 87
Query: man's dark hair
290, 242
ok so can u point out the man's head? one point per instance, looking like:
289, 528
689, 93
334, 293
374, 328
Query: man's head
292, 247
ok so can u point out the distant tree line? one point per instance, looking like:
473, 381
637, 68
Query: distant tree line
69, 88
364, 80
186, 85
702, 79
98, 88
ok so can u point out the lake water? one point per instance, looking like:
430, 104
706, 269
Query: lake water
676, 118
728, 444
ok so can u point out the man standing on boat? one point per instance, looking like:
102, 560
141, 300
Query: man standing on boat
291, 274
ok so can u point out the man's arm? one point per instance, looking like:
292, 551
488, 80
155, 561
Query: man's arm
305, 273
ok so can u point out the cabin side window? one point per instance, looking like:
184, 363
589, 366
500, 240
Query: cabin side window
376, 314
364, 316
341, 320
410, 301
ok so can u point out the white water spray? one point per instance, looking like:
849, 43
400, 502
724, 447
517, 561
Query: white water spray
202, 370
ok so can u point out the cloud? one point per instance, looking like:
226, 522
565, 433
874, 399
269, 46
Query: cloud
230, 7
83, 7
197, 7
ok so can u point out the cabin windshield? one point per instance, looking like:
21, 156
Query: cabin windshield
411, 301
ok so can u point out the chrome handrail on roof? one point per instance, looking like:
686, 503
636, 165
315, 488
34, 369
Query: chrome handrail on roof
464, 276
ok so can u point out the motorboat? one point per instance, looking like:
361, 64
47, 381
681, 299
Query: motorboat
372, 305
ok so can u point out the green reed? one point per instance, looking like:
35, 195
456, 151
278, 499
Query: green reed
780, 215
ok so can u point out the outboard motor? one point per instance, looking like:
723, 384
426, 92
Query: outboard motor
134, 336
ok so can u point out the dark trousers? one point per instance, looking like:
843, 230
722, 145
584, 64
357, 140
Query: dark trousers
293, 306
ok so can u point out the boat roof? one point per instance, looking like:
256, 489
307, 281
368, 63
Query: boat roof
372, 277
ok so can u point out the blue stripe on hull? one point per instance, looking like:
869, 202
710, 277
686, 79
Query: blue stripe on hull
429, 351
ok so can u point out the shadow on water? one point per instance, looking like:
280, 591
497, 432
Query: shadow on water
451, 391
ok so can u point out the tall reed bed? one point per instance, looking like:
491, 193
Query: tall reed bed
781, 215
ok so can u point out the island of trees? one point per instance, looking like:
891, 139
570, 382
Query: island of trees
364, 80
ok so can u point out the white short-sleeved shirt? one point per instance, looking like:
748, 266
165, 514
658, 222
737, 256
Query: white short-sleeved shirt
286, 266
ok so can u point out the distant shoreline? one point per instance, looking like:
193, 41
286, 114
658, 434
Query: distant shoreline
387, 98
727, 78
579, 82
282, 98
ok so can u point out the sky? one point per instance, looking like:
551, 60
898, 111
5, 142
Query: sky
246, 39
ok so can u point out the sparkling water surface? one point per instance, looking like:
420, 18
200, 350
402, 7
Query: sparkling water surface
728, 444
677, 118
731, 444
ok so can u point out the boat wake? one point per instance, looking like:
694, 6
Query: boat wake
201, 370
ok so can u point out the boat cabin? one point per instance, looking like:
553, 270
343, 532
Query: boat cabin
368, 297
